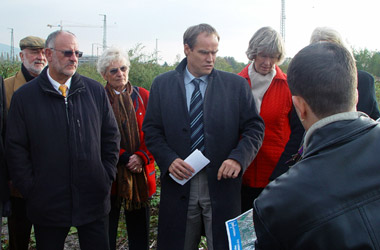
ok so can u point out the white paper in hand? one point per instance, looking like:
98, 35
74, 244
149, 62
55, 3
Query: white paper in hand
197, 161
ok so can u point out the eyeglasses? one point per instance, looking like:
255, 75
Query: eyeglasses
114, 70
69, 53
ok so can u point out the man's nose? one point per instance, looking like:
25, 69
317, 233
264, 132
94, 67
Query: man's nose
74, 57
41, 55
210, 57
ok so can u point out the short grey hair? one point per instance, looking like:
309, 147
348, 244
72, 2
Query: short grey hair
191, 34
50, 41
326, 34
268, 41
110, 55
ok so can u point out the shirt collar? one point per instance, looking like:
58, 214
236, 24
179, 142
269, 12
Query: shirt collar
57, 84
189, 77
118, 92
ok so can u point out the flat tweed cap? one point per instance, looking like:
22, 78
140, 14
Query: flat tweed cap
32, 42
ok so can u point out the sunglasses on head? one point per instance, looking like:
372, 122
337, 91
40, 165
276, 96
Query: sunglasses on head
69, 53
114, 70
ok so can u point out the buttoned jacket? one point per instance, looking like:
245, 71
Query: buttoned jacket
62, 153
232, 130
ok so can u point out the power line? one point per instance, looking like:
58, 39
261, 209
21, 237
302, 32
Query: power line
60, 25
104, 31
12, 46
283, 17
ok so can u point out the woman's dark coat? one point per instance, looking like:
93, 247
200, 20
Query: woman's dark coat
367, 95
62, 157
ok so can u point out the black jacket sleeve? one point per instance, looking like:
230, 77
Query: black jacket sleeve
265, 240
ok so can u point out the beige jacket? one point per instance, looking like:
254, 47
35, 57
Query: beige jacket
12, 84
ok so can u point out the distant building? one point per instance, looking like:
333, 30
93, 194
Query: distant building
88, 59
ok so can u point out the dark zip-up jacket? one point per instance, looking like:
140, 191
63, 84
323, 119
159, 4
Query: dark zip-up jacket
61, 153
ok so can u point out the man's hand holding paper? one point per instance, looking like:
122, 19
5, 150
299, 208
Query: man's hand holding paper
180, 169
183, 170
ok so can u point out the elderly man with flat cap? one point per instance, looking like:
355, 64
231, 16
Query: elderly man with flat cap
33, 62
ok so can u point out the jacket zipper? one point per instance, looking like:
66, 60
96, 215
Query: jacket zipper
67, 111
79, 132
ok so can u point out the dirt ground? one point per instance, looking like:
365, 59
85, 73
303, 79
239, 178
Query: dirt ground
71, 242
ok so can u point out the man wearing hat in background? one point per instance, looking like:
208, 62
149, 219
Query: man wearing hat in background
33, 62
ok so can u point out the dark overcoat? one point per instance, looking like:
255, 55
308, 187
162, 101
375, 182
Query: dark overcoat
62, 155
367, 95
232, 129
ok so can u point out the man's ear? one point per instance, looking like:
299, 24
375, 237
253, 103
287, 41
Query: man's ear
21, 56
357, 98
187, 49
305, 113
300, 105
48, 54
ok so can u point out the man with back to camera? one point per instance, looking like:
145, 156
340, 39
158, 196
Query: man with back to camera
330, 199
33, 60
62, 149
198, 107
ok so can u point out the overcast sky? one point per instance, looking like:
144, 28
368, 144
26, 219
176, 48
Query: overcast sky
130, 22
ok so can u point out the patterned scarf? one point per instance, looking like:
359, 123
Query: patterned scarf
132, 188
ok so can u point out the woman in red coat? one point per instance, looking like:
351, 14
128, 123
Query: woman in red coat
136, 180
283, 130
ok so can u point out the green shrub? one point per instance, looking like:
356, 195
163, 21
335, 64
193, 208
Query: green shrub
8, 68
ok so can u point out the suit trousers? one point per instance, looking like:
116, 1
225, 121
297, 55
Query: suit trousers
199, 213
92, 236
19, 226
137, 223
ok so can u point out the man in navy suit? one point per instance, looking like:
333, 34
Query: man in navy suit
232, 135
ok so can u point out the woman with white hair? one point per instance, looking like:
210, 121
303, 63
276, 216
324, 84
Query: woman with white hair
366, 83
283, 130
135, 180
